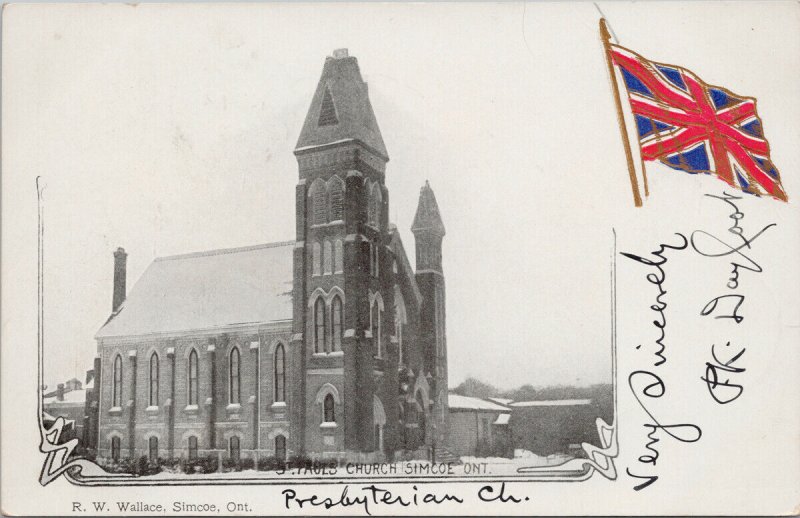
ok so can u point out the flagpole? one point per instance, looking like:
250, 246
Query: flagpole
606, 37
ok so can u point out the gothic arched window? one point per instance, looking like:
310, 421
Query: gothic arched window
327, 258
336, 323
116, 395
319, 325
338, 257
375, 205
153, 380
328, 414
192, 396
336, 198
235, 386
280, 374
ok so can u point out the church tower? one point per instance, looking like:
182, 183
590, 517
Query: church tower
428, 230
340, 341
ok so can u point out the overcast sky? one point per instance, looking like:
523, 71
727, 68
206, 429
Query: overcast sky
168, 130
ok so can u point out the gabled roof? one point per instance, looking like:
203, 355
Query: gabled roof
208, 290
427, 216
457, 402
340, 109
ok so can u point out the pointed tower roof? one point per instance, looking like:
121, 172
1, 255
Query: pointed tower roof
340, 110
427, 217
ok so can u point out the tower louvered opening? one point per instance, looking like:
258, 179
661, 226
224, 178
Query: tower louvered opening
327, 112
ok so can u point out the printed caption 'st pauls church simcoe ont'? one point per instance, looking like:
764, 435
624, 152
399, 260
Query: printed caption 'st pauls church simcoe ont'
330, 346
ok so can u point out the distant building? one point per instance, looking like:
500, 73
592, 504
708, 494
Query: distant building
478, 428
73, 401
556, 426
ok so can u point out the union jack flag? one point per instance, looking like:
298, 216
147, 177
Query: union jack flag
694, 127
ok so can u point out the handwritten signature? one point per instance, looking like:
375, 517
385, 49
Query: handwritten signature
726, 391
708, 245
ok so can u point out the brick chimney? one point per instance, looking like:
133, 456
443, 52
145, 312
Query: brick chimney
120, 274
60, 392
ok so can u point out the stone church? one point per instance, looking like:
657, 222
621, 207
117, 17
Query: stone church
328, 346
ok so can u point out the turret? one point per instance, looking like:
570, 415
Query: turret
428, 231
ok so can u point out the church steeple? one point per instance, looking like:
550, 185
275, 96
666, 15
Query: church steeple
340, 109
428, 231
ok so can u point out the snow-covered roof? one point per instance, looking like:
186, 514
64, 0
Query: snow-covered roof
554, 402
457, 402
208, 290
500, 400
73, 396
502, 419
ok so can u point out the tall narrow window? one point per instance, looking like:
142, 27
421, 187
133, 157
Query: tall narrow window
336, 319
316, 259
153, 448
400, 319
193, 379
280, 447
280, 374
375, 205
327, 258
336, 198
318, 195
338, 257
328, 409
153, 380
234, 450
319, 325
375, 326
371, 258
371, 217
374, 259
115, 448
399, 332
192, 448
116, 395
235, 388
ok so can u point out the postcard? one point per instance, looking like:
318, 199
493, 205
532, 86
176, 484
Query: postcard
400, 259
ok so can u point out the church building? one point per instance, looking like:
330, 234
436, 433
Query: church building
328, 346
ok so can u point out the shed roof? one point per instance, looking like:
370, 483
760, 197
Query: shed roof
554, 402
208, 290
502, 419
457, 402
